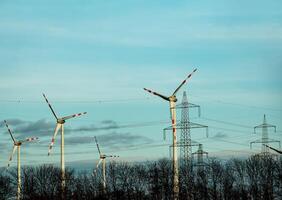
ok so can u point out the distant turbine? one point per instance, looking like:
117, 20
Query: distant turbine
60, 125
103, 159
172, 100
17, 145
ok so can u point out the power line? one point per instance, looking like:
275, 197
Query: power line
225, 122
237, 104
76, 101
133, 99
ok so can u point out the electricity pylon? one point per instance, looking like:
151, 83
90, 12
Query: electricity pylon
200, 157
185, 143
264, 137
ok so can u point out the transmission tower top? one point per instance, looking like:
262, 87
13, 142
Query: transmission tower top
264, 136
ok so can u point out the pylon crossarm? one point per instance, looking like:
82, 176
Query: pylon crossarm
268, 141
256, 141
264, 126
202, 152
169, 128
179, 144
189, 125
188, 105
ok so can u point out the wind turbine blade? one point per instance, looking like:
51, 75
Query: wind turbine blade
29, 139
183, 82
50, 106
72, 116
53, 138
157, 94
9, 130
97, 145
11, 156
280, 152
99, 162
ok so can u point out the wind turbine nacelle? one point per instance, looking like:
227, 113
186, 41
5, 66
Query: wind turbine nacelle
60, 121
173, 98
17, 143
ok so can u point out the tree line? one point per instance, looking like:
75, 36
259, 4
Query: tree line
258, 178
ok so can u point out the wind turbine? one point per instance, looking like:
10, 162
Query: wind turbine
172, 100
103, 159
60, 125
17, 145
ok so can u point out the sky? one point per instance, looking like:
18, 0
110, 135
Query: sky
96, 56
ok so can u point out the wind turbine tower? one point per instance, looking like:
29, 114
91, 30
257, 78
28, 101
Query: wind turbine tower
264, 136
60, 125
17, 145
172, 100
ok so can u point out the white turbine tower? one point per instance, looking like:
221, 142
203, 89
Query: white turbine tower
172, 100
60, 125
17, 145
103, 160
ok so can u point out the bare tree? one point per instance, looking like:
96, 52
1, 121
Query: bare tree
5, 186
216, 175
241, 185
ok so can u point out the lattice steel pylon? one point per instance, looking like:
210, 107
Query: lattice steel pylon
264, 137
200, 157
185, 142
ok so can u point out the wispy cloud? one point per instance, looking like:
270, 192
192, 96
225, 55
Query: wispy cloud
21, 127
220, 135
13, 122
113, 140
43, 128
105, 125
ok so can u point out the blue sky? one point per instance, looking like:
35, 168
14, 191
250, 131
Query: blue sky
96, 56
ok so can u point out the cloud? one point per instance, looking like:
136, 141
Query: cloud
43, 128
122, 138
12, 122
38, 128
106, 125
108, 122
219, 135
112, 140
